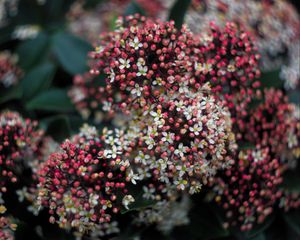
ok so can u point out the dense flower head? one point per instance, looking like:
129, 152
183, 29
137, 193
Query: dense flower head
274, 24
18, 142
249, 190
227, 58
85, 183
142, 59
272, 123
184, 140
9, 72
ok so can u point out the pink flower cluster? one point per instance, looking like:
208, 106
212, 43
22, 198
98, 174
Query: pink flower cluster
273, 124
249, 190
85, 182
18, 142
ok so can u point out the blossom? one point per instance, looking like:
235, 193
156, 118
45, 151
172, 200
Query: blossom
135, 43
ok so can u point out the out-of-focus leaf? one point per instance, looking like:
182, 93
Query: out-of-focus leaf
132, 8
33, 51
260, 236
271, 79
71, 52
37, 80
291, 181
292, 218
10, 94
57, 126
206, 223
51, 100
178, 12
294, 96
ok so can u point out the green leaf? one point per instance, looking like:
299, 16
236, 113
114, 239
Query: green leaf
57, 126
271, 79
206, 222
37, 80
291, 181
132, 8
260, 236
294, 96
51, 100
178, 12
71, 52
32, 51
292, 218
11, 94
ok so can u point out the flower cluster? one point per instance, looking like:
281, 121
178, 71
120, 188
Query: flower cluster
19, 140
184, 140
273, 124
9, 72
248, 191
142, 59
85, 183
227, 58
274, 24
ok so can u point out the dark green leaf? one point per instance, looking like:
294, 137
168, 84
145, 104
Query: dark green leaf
33, 51
178, 11
132, 8
10, 94
37, 80
291, 181
260, 236
294, 96
271, 79
71, 52
206, 222
51, 100
292, 218
57, 126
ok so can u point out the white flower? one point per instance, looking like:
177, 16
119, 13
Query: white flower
157, 81
135, 43
128, 199
106, 106
158, 118
179, 105
142, 71
150, 142
196, 128
141, 62
180, 150
142, 158
133, 177
168, 137
112, 75
148, 193
137, 90
125, 63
